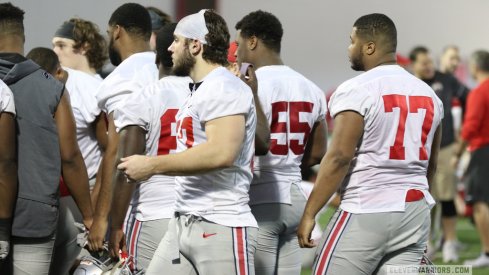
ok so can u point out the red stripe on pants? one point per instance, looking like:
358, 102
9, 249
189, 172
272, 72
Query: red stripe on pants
241, 251
332, 240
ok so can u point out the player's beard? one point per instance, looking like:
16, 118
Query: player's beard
114, 56
357, 61
185, 63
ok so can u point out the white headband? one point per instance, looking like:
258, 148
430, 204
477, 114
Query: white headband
193, 27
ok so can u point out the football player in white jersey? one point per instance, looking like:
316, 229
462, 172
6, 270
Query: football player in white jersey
82, 51
8, 167
129, 32
146, 124
383, 153
213, 227
295, 110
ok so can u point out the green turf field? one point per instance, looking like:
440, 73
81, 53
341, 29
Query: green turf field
467, 234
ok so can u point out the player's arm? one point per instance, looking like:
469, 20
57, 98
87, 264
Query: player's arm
131, 142
317, 145
100, 219
8, 179
334, 167
435, 148
225, 136
471, 125
73, 167
262, 134
100, 126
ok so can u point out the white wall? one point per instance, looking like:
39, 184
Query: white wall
43, 17
316, 31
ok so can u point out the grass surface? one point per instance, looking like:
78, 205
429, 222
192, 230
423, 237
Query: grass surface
467, 234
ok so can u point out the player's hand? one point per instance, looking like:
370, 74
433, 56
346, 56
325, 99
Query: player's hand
136, 167
304, 232
250, 79
88, 223
96, 235
117, 241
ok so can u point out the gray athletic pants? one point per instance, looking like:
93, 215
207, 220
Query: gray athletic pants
277, 249
143, 240
369, 243
195, 246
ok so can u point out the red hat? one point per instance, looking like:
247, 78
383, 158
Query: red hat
402, 60
232, 51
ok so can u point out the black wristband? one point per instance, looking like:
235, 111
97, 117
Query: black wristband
5, 229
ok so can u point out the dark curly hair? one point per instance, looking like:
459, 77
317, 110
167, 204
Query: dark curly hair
134, 18
378, 27
11, 19
216, 49
265, 26
87, 35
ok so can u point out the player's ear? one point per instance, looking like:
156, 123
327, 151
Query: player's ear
252, 42
369, 48
195, 46
116, 33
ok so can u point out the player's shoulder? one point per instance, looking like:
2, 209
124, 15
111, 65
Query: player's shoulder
282, 75
170, 87
220, 80
138, 62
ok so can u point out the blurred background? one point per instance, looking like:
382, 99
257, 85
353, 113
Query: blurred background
316, 33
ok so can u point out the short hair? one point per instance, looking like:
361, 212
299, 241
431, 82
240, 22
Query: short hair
413, 54
449, 47
11, 19
164, 38
158, 18
216, 49
265, 26
134, 18
44, 57
87, 34
481, 60
375, 27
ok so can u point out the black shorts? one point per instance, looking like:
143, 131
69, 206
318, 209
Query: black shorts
478, 176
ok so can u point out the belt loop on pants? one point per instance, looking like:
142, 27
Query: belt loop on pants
174, 231
414, 195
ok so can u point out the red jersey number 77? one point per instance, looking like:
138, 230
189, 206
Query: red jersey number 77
397, 151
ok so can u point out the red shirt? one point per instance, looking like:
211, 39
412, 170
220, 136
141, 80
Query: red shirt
475, 129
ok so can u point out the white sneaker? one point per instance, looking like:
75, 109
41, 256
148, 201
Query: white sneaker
450, 253
482, 261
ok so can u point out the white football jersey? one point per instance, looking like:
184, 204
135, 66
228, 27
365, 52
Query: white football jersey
6, 99
220, 196
82, 88
292, 105
132, 75
401, 114
154, 110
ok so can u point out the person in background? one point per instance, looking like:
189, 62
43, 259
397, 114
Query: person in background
475, 135
158, 20
443, 189
450, 59
82, 51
